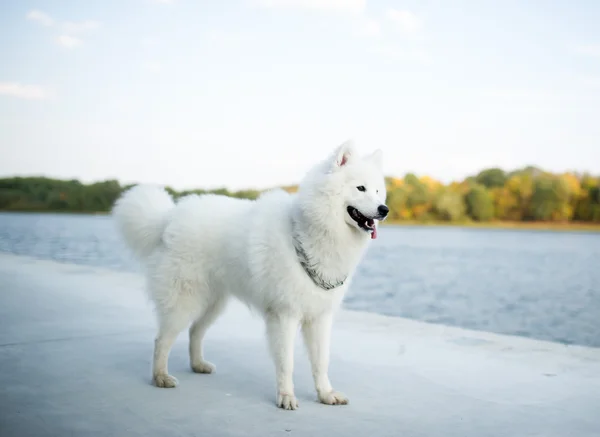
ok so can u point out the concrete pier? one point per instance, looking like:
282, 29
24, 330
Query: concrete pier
76, 343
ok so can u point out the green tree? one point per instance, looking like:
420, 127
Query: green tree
450, 206
396, 202
491, 178
594, 196
480, 205
418, 196
550, 199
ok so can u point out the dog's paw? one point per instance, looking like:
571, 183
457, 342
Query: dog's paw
333, 398
203, 367
287, 401
165, 381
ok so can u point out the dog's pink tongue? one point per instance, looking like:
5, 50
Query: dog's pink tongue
374, 233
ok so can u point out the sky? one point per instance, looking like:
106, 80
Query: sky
251, 93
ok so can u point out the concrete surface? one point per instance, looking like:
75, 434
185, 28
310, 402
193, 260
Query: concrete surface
76, 342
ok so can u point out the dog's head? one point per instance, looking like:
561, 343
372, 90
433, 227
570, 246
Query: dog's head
353, 186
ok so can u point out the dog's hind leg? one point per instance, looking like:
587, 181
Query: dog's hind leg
317, 336
197, 332
170, 325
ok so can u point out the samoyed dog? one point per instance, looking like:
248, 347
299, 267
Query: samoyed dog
291, 257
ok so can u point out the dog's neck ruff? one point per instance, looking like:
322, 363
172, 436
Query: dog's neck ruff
311, 269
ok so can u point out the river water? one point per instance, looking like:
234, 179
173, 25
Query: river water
538, 284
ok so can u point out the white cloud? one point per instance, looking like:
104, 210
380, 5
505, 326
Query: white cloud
69, 42
164, 2
331, 5
370, 28
224, 37
362, 25
519, 94
540, 97
153, 66
410, 55
150, 42
405, 20
40, 17
30, 92
79, 27
588, 50
591, 81
67, 28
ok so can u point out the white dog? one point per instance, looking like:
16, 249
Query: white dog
290, 256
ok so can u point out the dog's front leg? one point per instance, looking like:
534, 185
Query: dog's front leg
281, 331
317, 335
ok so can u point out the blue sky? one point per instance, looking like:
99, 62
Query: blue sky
250, 93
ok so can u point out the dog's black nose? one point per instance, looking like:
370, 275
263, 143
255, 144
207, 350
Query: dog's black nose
383, 210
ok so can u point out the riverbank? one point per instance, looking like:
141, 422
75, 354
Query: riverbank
535, 226
525, 225
76, 343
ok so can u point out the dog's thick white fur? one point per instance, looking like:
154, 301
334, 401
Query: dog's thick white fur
205, 248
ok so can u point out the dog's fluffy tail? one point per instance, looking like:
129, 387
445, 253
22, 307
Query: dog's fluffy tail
141, 214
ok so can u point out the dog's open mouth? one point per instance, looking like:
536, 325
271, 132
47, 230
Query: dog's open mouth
363, 222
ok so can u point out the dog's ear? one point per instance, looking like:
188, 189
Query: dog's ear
344, 154
377, 158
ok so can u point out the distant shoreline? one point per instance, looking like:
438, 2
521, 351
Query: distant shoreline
534, 226
496, 224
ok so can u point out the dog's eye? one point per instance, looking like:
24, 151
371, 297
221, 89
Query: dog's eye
361, 188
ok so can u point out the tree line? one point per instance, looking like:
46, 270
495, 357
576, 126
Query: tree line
528, 194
